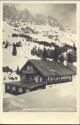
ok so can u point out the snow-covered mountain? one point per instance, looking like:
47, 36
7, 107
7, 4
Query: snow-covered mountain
44, 26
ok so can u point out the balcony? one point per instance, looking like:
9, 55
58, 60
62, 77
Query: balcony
29, 72
59, 81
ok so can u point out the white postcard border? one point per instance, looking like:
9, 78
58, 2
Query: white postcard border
40, 117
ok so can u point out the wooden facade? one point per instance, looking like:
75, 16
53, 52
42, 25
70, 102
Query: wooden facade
30, 73
17, 89
13, 89
36, 74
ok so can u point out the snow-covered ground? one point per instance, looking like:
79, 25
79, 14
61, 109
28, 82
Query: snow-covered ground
59, 97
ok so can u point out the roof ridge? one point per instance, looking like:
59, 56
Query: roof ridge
45, 67
42, 66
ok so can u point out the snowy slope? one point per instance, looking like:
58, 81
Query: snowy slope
24, 52
60, 97
7, 32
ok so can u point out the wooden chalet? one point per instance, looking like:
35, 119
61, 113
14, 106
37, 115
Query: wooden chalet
39, 73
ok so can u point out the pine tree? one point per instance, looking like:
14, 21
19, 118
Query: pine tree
61, 58
6, 44
14, 52
44, 54
74, 47
56, 54
71, 57
17, 71
51, 53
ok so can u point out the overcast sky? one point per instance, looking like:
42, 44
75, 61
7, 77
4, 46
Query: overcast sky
65, 13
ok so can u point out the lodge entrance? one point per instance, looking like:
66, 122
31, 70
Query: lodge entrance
33, 77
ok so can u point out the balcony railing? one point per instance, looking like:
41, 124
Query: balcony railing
28, 72
59, 81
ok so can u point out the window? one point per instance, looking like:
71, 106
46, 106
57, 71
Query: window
51, 78
56, 78
40, 79
31, 68
62, 78
23, 77
48, 78
8, 87
69, 77
20, 90
28, 67
14, 88
53, 70
36, 78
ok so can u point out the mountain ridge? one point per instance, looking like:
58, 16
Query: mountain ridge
14, 15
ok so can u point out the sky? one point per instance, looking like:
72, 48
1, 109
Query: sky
64, 13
